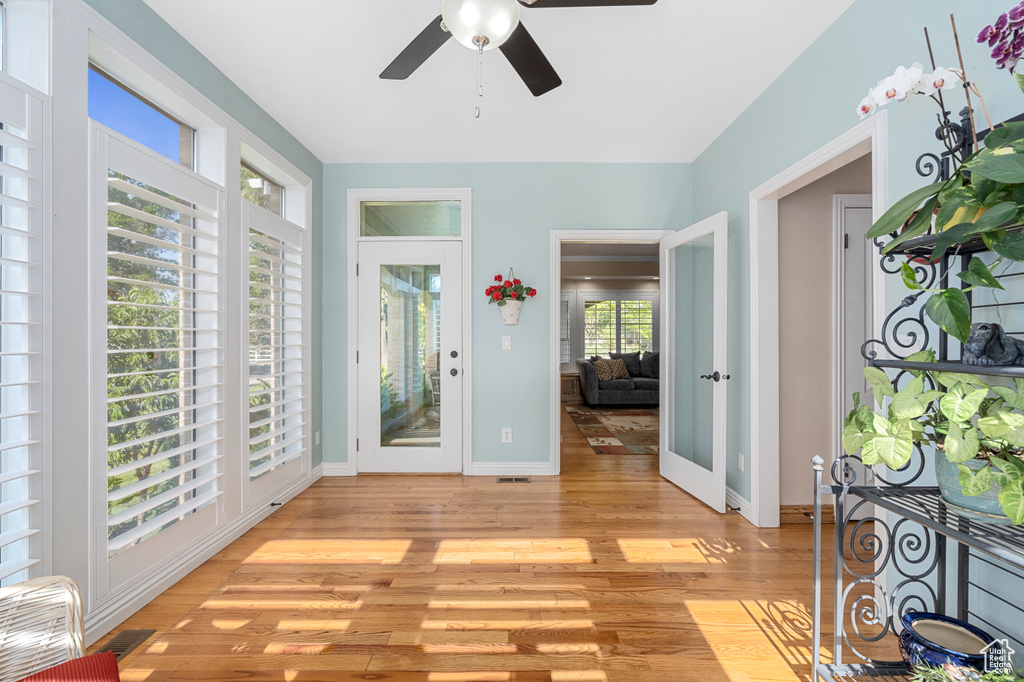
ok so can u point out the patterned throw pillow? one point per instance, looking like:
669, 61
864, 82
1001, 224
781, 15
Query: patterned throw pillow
619, 370
603, 368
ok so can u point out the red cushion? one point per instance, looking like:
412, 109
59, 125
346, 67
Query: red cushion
96, 668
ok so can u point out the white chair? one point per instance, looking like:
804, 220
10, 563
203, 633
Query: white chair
41, 626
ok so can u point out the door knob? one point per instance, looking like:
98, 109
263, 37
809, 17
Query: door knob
455, 353
715, 377
455, 372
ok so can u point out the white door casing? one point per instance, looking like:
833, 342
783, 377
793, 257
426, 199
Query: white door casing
694, 348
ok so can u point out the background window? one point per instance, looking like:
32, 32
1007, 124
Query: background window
618, 325
120, 109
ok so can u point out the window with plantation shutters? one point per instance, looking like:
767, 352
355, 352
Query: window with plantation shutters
277, 388
565, 310
22, 157
165, 341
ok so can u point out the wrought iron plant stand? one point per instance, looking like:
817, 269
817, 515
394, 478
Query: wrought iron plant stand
897, 548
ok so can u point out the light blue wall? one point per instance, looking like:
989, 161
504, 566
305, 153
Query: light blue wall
145, 27
515, 208
814, 102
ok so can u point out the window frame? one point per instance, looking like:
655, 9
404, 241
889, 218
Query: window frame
618, 295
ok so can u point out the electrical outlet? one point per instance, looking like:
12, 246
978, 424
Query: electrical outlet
506, 435
742, 462
506, 343
316, 437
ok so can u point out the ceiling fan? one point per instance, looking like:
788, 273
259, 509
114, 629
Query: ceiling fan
487, 24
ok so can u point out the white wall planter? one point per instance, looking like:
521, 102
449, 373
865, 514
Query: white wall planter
510, 311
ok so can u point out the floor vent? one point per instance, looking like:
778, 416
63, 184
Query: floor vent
513, 479
125, 642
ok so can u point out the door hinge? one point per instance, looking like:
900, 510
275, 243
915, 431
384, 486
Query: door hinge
357, 269
846, 241
357, 357
357, 445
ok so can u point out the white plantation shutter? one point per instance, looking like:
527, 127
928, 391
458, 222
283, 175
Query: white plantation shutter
278, 337
22, 156
165, 341
565, 328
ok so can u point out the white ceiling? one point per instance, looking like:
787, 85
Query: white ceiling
641, 84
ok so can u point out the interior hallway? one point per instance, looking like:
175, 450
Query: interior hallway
605, 573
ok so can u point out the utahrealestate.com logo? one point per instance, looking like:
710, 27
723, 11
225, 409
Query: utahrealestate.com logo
998, 657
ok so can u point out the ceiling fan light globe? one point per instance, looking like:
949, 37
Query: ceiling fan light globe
471, 20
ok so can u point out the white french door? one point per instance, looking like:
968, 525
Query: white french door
409, 358
694, 347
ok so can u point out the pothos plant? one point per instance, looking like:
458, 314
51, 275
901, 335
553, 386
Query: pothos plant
984, 196
959, 414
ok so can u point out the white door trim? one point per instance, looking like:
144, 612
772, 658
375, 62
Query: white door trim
360, 194
555, 286
868, 137
840, 202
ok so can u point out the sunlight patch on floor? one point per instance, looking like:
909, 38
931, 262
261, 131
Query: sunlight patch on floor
137, 674
578, 676
656, 551
229, 624
310, 624
762, 656
506, 625
469, 677
286, 649
330, 551
507, 551
283, 604
509, 602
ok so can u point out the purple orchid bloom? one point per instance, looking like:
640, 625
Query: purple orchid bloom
1001, 23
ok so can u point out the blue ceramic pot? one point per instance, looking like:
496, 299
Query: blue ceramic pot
984, 507
918, 649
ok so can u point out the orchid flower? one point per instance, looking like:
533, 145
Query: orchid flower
941, 79
867, 105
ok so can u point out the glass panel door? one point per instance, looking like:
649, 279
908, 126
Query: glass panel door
693, 366
410, 357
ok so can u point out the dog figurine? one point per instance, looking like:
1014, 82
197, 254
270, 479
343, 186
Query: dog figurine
989, 344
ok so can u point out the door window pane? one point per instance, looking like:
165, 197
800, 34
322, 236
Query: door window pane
410, 345
410, 218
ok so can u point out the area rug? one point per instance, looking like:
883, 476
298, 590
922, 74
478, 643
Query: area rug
625, 431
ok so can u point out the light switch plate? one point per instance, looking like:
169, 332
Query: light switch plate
506, 343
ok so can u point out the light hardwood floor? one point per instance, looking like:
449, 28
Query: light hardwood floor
607, 572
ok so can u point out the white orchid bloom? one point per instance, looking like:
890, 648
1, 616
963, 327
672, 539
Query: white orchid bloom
942, 79
908, 80
899, 85
867, 105
886, 91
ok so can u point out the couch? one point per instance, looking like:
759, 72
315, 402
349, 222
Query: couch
641, 388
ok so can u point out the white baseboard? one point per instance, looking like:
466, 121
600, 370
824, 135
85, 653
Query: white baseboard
105, 617
511, 469
337, 469
734, 500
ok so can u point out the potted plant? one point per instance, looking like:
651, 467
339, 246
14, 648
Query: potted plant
977, 431
509, 294
984, 195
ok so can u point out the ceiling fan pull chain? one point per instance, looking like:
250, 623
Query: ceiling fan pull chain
480, 80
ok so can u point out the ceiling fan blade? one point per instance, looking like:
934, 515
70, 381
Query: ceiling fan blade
526, 58
584, 3
417, 52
